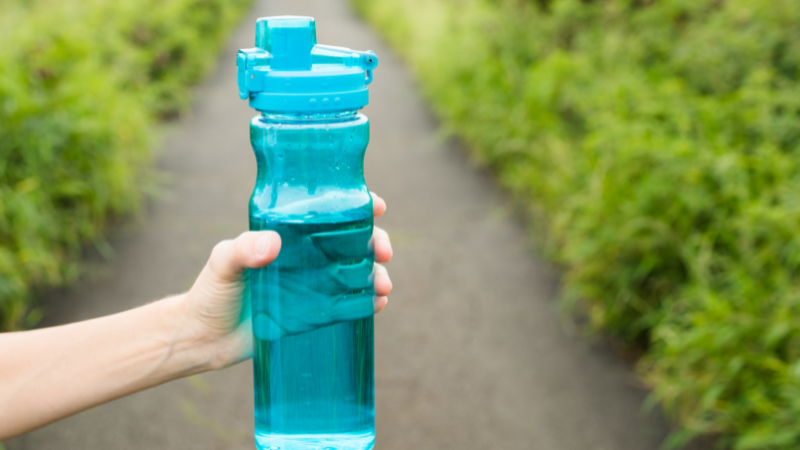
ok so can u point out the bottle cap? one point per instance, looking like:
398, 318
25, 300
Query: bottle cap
289, 72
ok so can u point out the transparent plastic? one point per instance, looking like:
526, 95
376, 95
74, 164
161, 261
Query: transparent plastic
312, 308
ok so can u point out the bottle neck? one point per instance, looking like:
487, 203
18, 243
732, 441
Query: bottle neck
322, 117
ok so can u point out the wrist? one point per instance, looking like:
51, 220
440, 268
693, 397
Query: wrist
196, 346
187, 351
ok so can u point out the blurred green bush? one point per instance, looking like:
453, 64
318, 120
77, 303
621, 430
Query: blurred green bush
660, 142
81, 84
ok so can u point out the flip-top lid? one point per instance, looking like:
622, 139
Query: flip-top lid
289, 72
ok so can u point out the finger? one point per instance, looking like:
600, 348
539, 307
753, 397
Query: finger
382, 283
378, 205
382, 245
379, 303
251, 249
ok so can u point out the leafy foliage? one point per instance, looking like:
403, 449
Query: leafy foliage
80, 85
661, 142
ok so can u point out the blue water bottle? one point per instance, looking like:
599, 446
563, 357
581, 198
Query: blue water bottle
311, 308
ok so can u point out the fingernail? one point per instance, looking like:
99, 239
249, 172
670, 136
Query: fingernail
263, 244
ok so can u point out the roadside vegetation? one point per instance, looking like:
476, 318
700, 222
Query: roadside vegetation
657, 145
82, 83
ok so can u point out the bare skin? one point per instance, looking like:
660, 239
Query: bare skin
52, 373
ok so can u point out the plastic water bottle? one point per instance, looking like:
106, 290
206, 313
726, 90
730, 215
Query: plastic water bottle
311, 308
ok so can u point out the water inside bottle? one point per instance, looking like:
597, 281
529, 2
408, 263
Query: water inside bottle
313, 334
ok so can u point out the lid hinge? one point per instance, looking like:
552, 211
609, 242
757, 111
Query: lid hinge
249, 79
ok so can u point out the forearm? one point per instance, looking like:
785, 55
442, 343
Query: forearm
52, 373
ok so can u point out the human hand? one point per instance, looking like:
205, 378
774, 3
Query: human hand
212, 309
54, 372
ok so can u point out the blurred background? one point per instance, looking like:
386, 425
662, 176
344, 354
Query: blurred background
646, 151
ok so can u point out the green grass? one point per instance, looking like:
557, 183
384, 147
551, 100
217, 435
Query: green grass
658, 142
81, 85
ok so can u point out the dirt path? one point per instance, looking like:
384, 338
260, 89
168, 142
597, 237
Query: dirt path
471, 353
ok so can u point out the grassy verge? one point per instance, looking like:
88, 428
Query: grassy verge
661, 142
81, 84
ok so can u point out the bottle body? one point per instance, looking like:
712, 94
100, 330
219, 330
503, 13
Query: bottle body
312, 308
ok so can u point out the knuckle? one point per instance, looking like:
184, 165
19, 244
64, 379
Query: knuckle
241, 242
219, 254
221, 248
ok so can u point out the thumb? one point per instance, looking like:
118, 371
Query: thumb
252, 249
